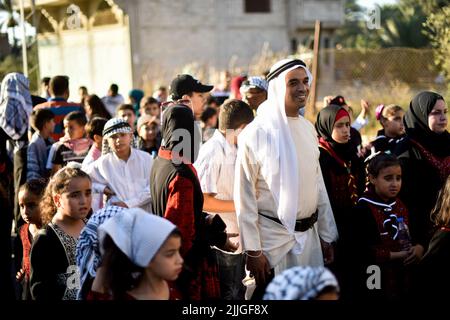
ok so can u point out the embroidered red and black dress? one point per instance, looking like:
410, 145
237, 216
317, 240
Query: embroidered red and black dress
177, 196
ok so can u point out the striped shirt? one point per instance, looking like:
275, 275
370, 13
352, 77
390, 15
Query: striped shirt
60, 108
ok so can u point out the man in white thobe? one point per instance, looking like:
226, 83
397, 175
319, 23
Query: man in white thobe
284, 214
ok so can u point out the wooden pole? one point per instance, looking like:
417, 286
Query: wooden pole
24, 40
315, 66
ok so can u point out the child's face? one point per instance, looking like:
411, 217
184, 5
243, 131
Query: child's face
87, 109
341, 130
254, 97
168, 263
128, 116
151, 109
148, 131
331, 295
120, 143
76, 200
393, 125
50, 125
29, 207
388, 182
98, 141
212, 122
73, 129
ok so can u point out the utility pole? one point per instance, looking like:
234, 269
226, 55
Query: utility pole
24, 40
315, 66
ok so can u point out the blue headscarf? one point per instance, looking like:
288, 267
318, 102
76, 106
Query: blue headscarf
137, 96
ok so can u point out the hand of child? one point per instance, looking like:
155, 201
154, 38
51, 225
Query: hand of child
402, 255
327, 251
414, 255
20, 274
365, 107
229, 245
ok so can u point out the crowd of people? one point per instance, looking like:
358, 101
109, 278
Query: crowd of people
196, 193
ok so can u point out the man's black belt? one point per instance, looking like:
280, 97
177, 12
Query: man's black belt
300, 225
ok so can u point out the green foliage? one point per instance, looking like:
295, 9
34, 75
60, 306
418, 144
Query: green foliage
401, 25
13, 63
9, 21
438, 30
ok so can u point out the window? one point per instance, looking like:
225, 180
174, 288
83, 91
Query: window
256, 6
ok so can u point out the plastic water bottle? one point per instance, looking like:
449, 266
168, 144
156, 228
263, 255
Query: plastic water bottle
403, 235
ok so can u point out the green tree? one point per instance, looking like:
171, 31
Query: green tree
438, 30
9, 22
401, 25
13, 63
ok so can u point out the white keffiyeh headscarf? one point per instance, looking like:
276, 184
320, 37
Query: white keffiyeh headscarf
300, 283
15, 105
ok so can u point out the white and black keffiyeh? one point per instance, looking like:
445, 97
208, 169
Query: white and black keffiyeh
15, 105
88, 251
300, 283
113, 126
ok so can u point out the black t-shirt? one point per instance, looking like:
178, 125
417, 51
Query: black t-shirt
64, 154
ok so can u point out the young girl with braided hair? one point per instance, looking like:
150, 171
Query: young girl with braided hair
64, 208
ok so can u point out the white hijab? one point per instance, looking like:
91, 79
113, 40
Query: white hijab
275, 142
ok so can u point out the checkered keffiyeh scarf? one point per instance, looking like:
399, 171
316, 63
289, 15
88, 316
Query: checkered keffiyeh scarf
300, 283
15, 105
88, 251
113, 126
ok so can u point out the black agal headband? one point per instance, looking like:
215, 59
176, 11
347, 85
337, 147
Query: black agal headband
275, 73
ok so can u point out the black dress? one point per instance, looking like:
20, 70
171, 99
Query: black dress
425, 164
53, 265
435, 266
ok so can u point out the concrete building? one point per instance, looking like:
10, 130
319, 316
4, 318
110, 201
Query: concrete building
137, 43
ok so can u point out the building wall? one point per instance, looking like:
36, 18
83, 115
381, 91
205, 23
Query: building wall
166, 35
161, 37
94, 59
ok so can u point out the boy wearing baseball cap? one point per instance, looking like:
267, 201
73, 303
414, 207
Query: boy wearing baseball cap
186, 87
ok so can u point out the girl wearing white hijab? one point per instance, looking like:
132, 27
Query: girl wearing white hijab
140, 253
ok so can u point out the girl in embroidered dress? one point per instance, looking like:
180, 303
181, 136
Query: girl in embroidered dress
344, 177
377, 228
30, 195
392, 136
65, 206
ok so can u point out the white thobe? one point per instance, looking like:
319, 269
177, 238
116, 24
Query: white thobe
129, 180
253, 196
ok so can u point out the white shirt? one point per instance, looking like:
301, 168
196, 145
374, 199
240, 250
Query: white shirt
112, 102
129, 180
215, 168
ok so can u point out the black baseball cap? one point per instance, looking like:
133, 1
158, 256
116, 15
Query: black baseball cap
184, 84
